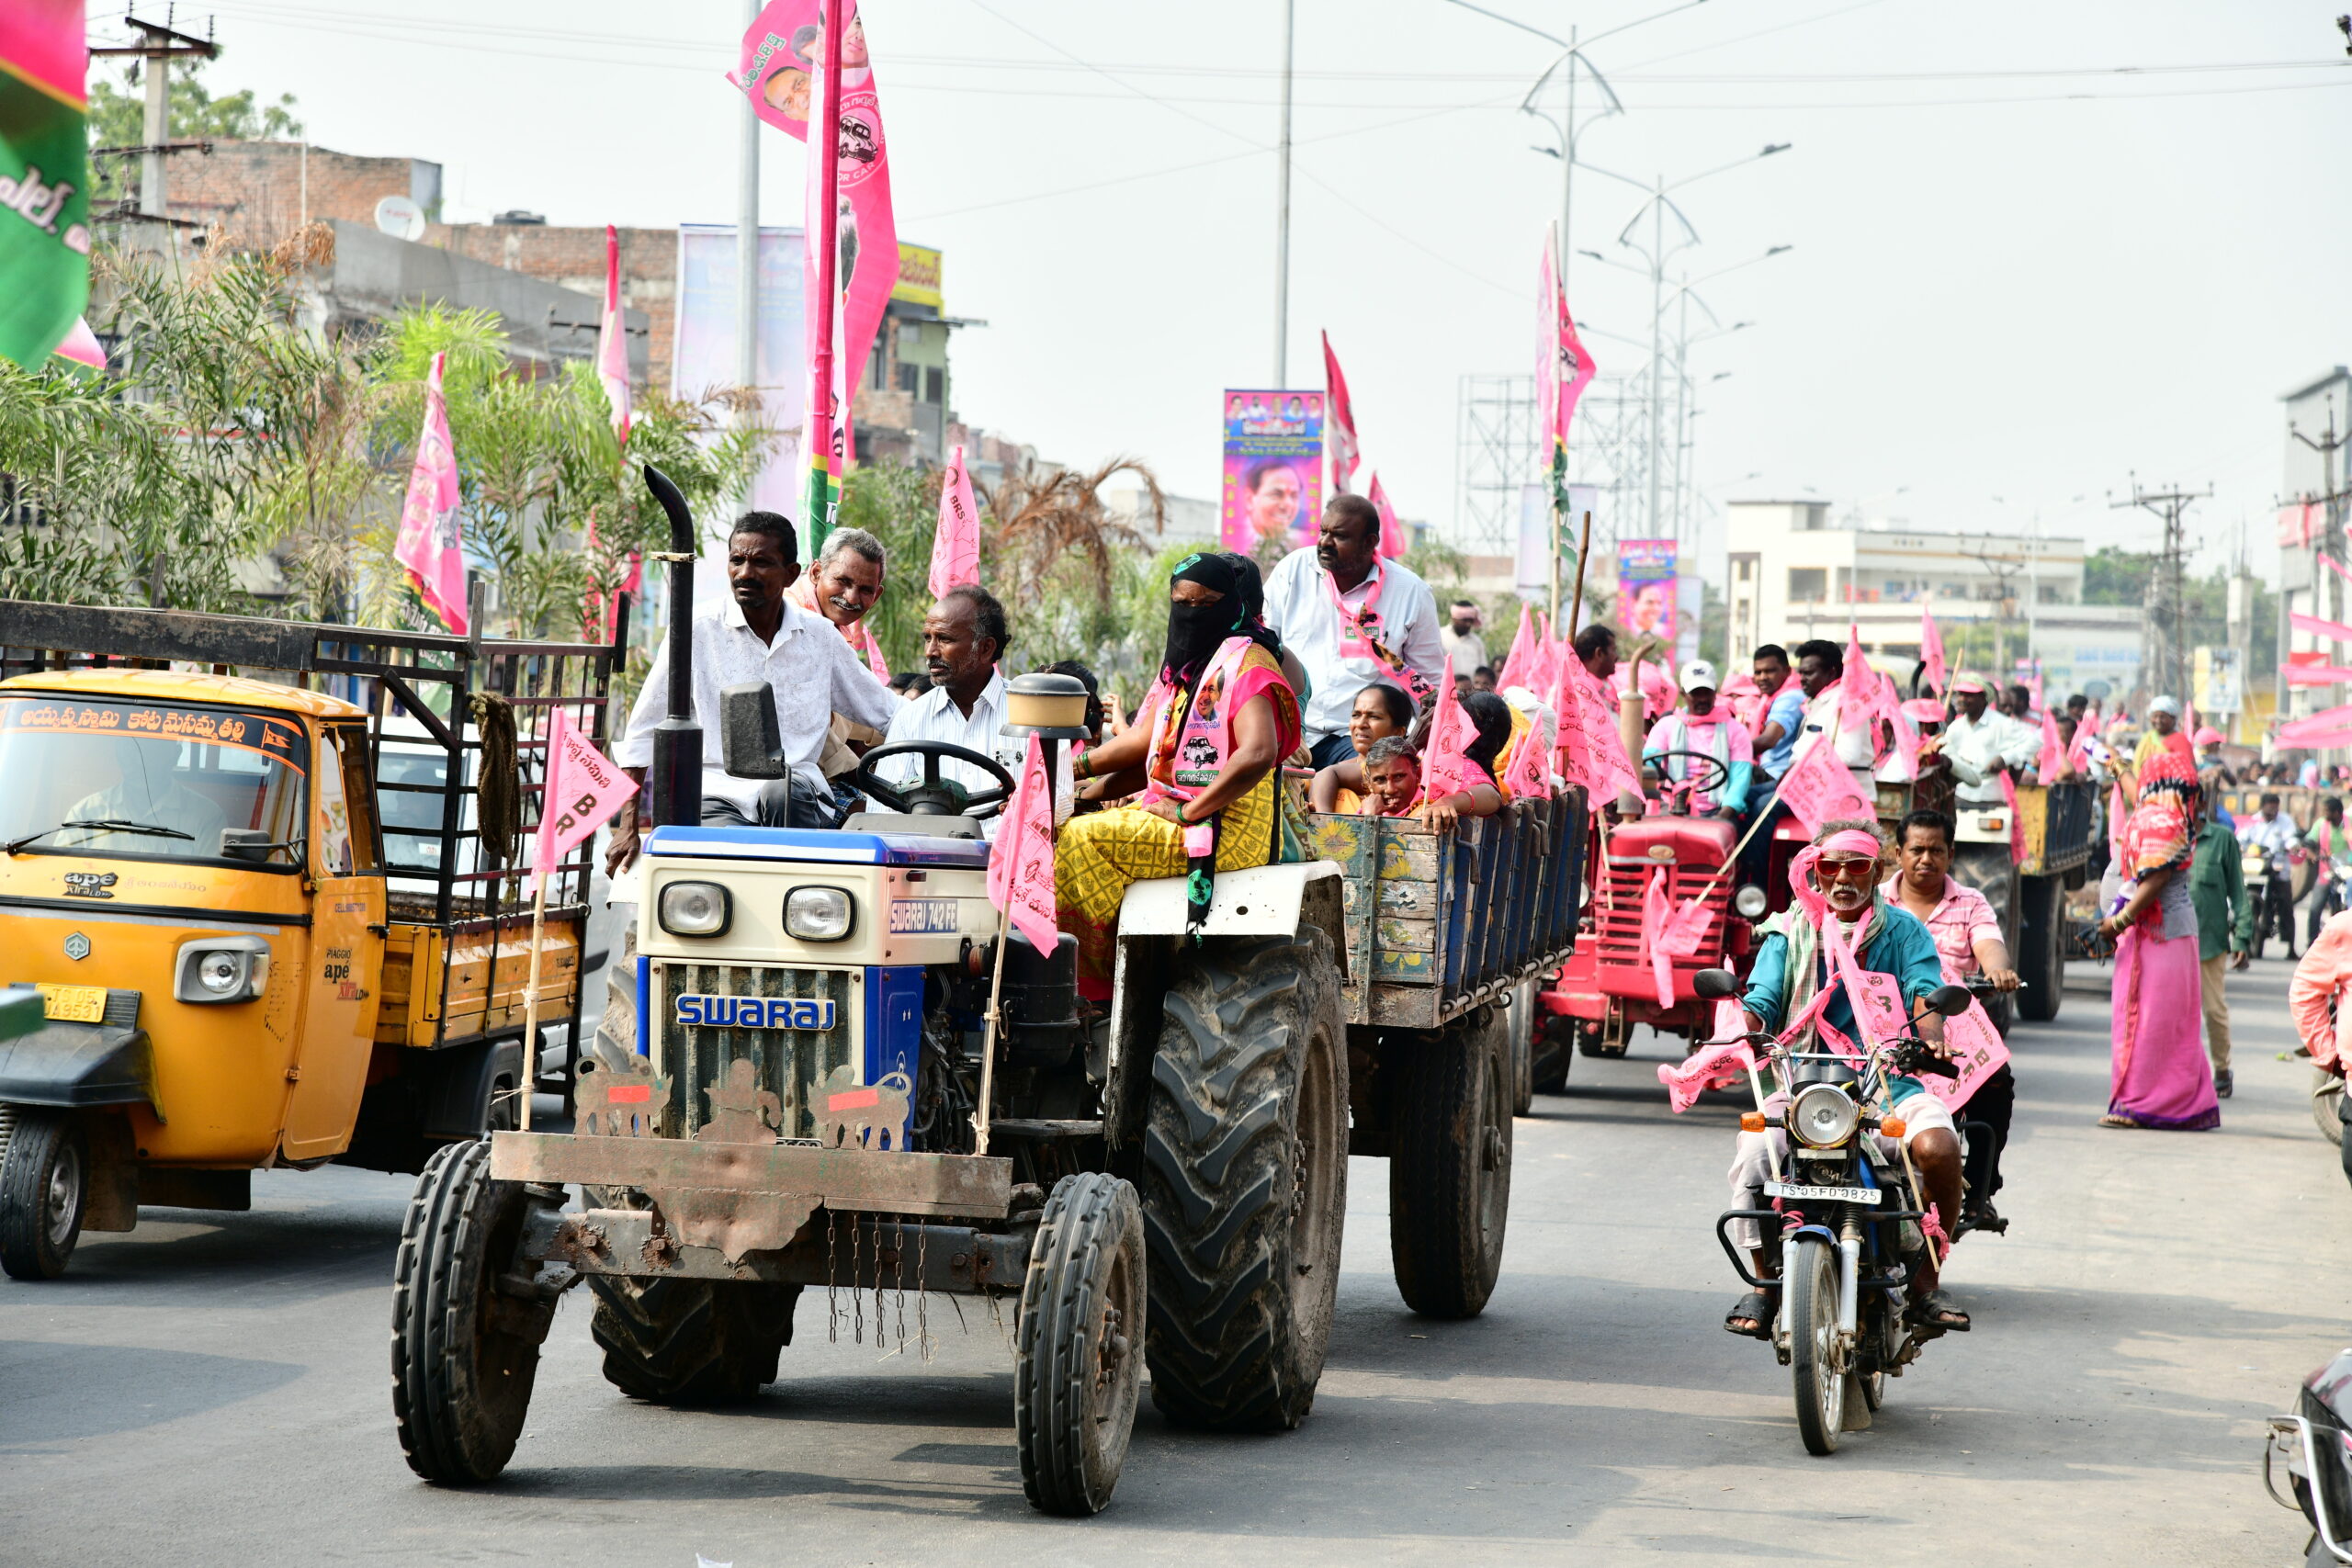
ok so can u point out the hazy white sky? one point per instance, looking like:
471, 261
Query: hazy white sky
2037, 246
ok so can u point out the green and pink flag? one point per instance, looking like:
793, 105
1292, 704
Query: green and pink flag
44, 177
1562, 368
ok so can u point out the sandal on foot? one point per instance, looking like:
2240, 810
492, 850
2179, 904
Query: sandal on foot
2112, 1120
1754, 1308
1937, 1311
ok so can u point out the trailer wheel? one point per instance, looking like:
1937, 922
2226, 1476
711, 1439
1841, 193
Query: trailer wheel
1523, 1023
1077, 1371
1245, 1156
2042, 948
1449, 1170
44, 1190
1554, 1051
465, 1351
677, 1341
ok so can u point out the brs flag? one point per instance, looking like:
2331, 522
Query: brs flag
955, 539
1562, 370
431, 546
1340, 422
44, 179
585, 788
1020, 865
783, 58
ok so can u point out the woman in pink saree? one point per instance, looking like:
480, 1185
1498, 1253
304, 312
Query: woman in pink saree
2162, 1078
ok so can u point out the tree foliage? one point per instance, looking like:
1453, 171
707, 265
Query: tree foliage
118, 118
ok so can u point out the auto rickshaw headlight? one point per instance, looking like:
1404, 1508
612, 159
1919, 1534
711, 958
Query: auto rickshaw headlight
696, 908
222, 969
1750, 902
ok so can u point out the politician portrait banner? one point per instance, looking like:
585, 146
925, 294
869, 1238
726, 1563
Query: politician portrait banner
1645, 589
1273, 469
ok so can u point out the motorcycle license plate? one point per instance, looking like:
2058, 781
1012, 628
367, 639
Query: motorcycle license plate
74, 1004
1821, 1194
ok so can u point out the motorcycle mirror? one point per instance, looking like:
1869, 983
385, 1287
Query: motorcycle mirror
1949, 1000
752, 742
1716, 985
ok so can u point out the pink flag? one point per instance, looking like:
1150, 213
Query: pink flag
1655, 916
2335, 566
956, 542
1687, 928
1976, 1050
1876, 998
1931, 650
612, 338
1445, 763
1562, 368
1859, 698
1020, 865
81, 346
431, 546
1392, 532
2318, 674
585, 787
1906, 734
1539, 673
1711, 1066
2017, 827
1338, 422
1529, 775
1521, 658
1818, 788
2334, 630
2052, 761
780, 69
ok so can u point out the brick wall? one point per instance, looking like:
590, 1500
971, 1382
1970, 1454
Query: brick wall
574, 258
258, 192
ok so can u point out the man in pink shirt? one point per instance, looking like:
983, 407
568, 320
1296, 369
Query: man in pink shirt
1968, 940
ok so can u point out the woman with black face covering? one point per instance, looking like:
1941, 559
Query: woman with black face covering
1203, 751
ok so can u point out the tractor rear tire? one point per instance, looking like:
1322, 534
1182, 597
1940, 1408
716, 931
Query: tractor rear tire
44, 1190
1245, 1173
1448, 1169
2042, 948
617, 1029
674, 1342
1077, 1373
465, 1353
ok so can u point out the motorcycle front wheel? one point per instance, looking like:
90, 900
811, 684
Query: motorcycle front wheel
1816, 1359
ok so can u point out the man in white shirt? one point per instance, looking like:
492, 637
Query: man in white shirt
1982, 742
757, 634
1389, 633
1821, 664
1461, 639
964, 637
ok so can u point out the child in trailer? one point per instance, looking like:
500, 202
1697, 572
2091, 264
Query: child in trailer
1381, 711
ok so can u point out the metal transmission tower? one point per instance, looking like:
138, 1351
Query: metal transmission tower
1494, 455
2167, 635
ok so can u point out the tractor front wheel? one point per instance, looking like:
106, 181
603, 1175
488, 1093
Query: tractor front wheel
1078, 1363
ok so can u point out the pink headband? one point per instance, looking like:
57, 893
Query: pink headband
1851, 841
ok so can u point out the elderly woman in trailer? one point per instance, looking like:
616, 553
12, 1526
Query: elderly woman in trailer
2161, 1078
1202, 751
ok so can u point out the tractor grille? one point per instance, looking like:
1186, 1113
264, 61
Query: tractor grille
790, 1063
1617, 923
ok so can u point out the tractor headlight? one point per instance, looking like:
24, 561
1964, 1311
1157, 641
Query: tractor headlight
222, 969
1823, 1115
818, 914
696, 908
1750, 902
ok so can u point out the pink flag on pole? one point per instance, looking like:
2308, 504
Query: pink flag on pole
1563, 367
1518, 662
1976, 1050
2052, 761
2336, 631
1655, 915
585, 787
1529, 776
612, 338
1446, 763
1931, 650
1710, 1067
956, 542
431, 546
1687, 928
1859, 698
2318, 674
2017, 827
1338, 422
1876, 998
1020, 865
1538, 677
1818, 788
1392, 532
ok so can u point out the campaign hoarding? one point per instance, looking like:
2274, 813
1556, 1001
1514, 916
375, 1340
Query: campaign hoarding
1273, 467
1647, 599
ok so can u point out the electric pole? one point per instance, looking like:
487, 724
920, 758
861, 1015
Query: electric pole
2168, 629
158, 46
2330, 542
1282, 212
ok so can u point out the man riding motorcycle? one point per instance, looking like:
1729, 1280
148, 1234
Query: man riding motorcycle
1841, 872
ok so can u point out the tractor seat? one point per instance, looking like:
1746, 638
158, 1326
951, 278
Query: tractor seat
908, 822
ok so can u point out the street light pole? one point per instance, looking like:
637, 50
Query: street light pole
747, 257
1281, 203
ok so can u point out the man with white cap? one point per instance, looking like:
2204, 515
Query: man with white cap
1701, 726
1982, 744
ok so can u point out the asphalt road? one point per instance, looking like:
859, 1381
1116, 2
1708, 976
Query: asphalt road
213, 1390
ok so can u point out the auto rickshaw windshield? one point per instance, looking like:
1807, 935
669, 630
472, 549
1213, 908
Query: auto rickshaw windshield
150, 780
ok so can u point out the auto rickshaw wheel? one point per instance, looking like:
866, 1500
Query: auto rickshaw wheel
44, 1190
465, 1339
1077, 1358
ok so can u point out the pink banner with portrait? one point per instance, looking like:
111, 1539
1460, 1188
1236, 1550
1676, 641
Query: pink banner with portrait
1273, 467
1647, 570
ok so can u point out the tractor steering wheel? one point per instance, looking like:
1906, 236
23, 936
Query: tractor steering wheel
933, 796
1712, 782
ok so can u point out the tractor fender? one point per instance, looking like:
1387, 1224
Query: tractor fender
75, 1065
1264, 900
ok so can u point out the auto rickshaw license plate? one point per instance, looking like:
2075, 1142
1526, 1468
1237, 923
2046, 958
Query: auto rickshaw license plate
74, 1004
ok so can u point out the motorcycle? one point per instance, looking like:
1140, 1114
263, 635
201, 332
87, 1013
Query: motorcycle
2316, 1443
1848, 1255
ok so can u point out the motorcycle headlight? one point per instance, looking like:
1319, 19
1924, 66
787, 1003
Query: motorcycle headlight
1823, 1115
696, 908
1750, 902
818, 914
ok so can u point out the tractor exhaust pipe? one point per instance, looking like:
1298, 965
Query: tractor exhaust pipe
677, 739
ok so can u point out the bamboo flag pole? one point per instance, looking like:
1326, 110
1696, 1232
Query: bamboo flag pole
1583, 554
531, 1001
988, 1049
